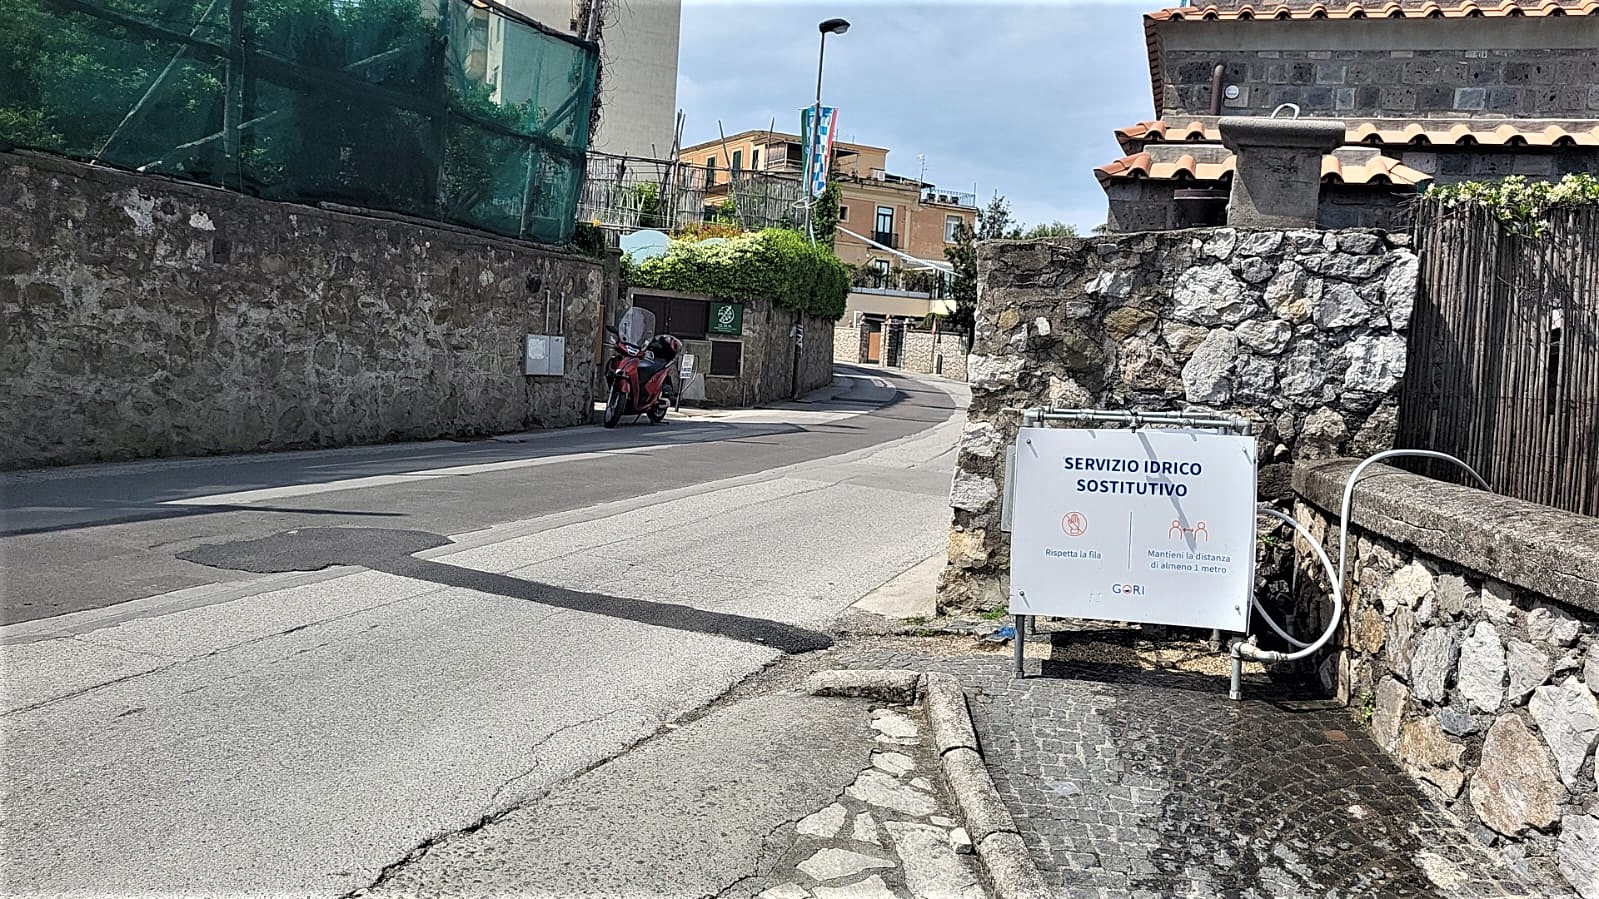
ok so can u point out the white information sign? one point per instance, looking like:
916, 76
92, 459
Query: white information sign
1152, 525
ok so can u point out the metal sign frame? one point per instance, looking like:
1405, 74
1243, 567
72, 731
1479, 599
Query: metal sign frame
1040, 417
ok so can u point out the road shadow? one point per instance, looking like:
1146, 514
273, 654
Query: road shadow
391, 552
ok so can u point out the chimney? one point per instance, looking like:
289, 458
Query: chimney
1277, 175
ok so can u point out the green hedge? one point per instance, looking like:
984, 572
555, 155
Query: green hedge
774, 264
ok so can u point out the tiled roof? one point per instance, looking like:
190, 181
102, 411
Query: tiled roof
1507, 134
1482, 132
1377, 9
1235, 10
1346, 165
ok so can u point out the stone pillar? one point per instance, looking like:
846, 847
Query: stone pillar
1277, 177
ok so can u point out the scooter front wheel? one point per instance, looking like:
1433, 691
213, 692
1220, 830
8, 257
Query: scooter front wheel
615, 406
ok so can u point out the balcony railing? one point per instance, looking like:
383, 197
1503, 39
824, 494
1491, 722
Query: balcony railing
948, 197
888, 239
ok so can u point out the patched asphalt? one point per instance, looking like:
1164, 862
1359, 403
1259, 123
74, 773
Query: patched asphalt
390, 551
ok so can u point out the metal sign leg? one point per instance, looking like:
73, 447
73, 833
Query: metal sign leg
1018, 640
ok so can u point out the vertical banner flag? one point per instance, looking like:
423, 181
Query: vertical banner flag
818, 146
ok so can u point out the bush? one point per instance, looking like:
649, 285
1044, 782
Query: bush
1519, 204
774, 264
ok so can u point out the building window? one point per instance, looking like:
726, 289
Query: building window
952, 228
738, 161
755, 158
843, 213
710, 171
885, 227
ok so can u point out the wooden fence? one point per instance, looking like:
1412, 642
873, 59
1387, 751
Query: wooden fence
1504, 354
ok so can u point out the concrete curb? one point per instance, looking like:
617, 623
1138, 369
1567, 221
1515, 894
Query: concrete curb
1001, 852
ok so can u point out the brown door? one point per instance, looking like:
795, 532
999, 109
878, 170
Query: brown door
874, 346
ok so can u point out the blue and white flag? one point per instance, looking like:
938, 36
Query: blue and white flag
818, 146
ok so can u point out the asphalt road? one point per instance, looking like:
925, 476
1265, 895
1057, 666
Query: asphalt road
85, 537
190, 710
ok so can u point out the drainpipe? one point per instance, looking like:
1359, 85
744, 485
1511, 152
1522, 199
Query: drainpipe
1215, 88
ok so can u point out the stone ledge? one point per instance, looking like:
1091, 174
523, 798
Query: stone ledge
1535, 547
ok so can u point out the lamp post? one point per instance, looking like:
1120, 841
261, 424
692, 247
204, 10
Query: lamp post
797, 335
829, 26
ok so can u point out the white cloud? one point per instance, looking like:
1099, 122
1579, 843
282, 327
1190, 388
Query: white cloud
1020, 99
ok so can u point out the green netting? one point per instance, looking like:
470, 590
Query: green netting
443, 109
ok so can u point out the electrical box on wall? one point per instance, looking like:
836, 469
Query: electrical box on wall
544, 355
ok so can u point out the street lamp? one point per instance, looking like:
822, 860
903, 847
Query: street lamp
829, 26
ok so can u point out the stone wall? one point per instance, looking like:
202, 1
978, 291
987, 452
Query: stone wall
849, 343
1300, 331
148, 317
1471, 649
943, 353
1353, 83
767, 363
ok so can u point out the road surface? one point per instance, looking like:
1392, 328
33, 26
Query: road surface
279, 674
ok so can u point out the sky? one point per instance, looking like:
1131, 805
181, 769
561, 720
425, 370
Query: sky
1020, 99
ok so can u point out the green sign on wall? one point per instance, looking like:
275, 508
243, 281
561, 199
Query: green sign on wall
726, 318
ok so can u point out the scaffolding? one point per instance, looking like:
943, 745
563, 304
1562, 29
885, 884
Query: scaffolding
457, 111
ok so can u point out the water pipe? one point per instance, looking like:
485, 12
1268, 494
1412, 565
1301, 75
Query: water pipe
1242, 649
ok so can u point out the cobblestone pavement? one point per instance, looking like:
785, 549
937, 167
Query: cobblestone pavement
888, 836
1132, 780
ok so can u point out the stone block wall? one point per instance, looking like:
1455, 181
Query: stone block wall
148, 317
1471, 649
1301, 331
767, 371
943, 353
1394, 83
849, 342
917, 351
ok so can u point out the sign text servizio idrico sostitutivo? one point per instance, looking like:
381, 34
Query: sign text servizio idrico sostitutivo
1152, 526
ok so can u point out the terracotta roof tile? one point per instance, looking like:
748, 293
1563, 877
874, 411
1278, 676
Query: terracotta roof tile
1400, 9
1495, 133
1348, 165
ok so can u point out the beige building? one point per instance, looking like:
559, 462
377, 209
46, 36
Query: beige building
891, 228
877, 207
638, 63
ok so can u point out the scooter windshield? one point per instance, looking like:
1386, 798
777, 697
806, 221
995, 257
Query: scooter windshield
637, 326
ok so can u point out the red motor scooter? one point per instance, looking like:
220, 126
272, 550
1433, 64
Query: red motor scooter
640, 369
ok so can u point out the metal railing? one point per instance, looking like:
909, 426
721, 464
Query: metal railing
948, 197
629, 193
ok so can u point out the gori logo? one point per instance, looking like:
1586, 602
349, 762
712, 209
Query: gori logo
1127, 589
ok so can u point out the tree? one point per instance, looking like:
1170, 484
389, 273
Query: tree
962, 257
994, 222
824, 216
1053, 229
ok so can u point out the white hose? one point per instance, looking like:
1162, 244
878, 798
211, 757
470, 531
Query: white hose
1260, 607
1249, 650
1349, 494
1304, 649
